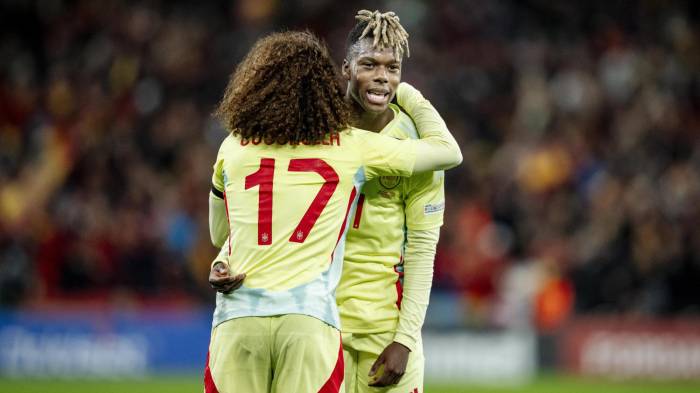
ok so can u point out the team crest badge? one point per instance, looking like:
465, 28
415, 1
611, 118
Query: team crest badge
389, 182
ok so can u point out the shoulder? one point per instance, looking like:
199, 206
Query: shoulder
358, 136
227, 142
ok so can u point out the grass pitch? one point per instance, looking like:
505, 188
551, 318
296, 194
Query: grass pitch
192, 384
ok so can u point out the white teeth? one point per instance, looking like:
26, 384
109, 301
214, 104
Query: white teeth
376, 98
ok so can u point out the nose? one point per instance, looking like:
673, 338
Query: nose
380, 75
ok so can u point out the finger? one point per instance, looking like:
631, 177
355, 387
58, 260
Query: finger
227, 289
237, 281
375, 366
223, 287
396, 377
384, 380
221, 280
234, 283
391, 378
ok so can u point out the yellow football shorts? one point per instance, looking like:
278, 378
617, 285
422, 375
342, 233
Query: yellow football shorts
362, 350
279, 354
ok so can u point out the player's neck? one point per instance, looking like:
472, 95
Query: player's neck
370, 121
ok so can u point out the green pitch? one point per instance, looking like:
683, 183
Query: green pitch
546, 384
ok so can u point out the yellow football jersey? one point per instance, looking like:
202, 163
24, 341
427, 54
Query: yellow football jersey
288, 207
369, 293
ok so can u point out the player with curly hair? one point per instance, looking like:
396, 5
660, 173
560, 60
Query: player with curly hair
285, 180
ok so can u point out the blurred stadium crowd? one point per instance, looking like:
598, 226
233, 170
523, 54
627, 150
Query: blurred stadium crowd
579, 124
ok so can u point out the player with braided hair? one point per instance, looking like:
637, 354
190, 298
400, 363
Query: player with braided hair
397, 222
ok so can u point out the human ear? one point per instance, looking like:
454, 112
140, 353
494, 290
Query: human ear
346, 69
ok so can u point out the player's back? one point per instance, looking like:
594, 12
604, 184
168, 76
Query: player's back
287, 207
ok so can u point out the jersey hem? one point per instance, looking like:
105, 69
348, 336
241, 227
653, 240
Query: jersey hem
358, 330
234, 315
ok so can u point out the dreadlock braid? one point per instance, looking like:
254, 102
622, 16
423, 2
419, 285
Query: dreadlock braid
385, 30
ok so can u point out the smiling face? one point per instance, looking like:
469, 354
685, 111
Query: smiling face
373, 76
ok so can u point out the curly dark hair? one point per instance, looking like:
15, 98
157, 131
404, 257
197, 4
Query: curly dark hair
287, 89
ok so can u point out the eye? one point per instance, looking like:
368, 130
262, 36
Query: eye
394, 68
367, 65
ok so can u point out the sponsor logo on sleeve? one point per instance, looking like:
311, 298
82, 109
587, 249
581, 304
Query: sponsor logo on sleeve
433, 208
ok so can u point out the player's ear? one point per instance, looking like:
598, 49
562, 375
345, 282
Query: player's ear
345, 69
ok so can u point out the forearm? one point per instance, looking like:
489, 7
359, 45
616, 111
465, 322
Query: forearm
418, 278
437, 149
432, 155
218, 223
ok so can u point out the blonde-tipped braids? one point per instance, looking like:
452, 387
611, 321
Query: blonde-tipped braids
384, 28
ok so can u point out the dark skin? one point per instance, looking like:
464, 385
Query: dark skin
373, 76
222, 280
368, 71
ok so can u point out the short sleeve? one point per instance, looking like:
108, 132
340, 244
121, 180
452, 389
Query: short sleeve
425, 202
386, 156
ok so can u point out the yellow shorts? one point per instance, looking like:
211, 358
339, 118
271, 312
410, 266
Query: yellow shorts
362, 350
286, 353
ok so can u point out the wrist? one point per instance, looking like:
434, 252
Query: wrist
217, 261
405, 340
402, 346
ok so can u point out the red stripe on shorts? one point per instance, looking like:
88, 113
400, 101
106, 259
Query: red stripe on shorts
399, 286
334, 382
209, 386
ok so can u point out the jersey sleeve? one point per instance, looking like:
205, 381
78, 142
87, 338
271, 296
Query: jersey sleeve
425, 201
438, 148
418, 278
218, 223
217, 178
387, 156
222, 256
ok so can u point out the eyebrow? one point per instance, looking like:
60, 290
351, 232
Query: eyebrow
374, 59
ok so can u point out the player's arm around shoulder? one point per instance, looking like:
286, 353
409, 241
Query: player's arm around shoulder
438, 149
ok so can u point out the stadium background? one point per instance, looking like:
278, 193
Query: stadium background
570, 256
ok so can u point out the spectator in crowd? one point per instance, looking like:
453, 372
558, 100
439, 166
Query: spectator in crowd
580, 128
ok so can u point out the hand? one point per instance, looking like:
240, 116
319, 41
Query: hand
393, 361
220, 278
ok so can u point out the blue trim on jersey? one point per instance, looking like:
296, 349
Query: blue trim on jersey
409, 127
